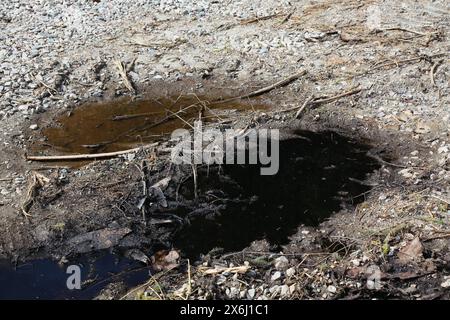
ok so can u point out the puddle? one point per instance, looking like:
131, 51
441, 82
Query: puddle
317, 174
46, 279
124, 124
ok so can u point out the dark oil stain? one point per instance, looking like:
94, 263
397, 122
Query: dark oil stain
318, 173
123, 124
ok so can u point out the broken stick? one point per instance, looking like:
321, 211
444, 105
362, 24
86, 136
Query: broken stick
75, 157
258, 92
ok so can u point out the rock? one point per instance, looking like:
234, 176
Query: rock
137, 255
281, 263
274, 289
412, 251
163, 260
292, 289
276, 276
34, 127
446, 283
443, 149
97, 240
331, 289
284, 291
406, 173
290, 272
356, 262
251, 293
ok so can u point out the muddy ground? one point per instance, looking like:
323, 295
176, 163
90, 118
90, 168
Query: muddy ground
394, 244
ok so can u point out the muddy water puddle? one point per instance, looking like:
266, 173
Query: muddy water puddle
123, 124
46, 279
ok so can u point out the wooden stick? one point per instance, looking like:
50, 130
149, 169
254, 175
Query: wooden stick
124, 76
305, 104
407, 30
132, 116
257, 19
75, 157
433, 71
278, 84
331, 99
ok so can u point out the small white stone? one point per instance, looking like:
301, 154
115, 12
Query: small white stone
251, 293
284, 290
446, 283
276, 276
356, 262
290, 272
281, 262
34, 127
443, 149
331, 289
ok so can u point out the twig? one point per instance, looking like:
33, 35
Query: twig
144, 172
194, 172
438, 198
433, 71
88, 156
189, 280
288, 16
305, 104
261, 91
176, 115
379, 159
407, 30
37, 181
253, 20
132, 116
333, 98
124, 76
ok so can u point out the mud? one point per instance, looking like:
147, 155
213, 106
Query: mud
318, 174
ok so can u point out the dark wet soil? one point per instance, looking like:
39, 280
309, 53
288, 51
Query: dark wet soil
318, 174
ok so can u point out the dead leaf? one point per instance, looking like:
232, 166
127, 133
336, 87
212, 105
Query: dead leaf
411, 252
164, 261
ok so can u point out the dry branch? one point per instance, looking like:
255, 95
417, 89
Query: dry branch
123, 74
37, 181
433, 71
333, 98
261, 91
76, 157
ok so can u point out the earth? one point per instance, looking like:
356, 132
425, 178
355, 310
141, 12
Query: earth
375, 72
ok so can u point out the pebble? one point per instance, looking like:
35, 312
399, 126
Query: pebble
281, 263
446, 283
284, 291
331, 289
34, 127
290, 272
251, 293
276, 276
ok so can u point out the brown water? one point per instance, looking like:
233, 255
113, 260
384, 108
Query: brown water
123, 124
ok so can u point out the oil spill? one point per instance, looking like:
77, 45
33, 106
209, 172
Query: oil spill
318, 174
123, 124
46, 279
